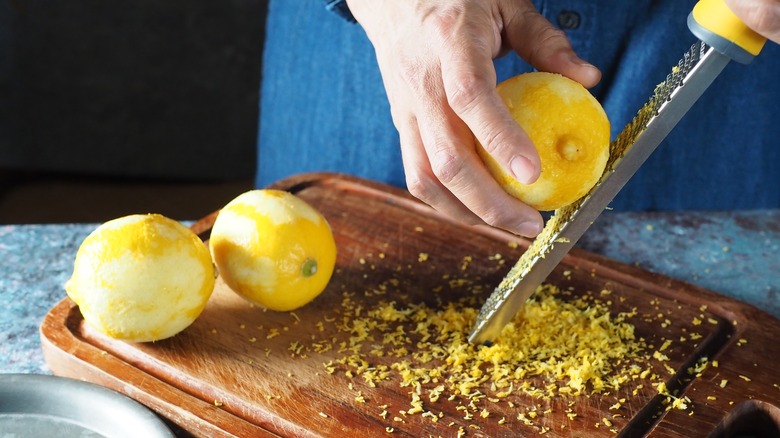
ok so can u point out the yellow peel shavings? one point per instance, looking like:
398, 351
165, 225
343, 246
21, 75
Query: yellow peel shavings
559, 346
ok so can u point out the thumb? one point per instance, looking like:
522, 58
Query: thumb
763, 16
544, 46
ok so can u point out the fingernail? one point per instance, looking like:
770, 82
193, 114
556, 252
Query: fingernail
579, 61
522, 169
529, 229
588, 77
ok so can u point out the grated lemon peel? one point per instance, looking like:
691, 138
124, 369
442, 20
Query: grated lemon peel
562, 348
559, 346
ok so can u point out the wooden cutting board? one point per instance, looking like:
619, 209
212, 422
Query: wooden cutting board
242, 371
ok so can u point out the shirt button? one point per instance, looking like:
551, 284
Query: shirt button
568, 20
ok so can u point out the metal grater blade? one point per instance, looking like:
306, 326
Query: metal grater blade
670, 101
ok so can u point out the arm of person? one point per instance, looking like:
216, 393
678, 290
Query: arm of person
763, 16
436, 57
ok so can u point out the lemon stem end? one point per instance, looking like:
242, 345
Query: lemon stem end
309, 267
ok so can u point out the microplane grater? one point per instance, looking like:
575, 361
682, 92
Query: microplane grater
653, 122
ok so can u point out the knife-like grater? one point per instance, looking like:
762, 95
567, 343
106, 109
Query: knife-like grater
727, 38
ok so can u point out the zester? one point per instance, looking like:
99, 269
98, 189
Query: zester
723, 38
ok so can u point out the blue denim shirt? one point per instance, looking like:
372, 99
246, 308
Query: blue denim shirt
324, 108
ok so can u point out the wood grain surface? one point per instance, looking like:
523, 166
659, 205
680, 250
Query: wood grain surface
242, 371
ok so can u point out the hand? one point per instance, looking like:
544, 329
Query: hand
436, 59
763, 16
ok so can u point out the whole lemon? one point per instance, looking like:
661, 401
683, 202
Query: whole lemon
570, 131
141, 278
273, 248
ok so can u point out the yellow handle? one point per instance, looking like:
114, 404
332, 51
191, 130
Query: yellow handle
714, 23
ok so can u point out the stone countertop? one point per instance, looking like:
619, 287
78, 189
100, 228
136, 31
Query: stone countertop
735, 254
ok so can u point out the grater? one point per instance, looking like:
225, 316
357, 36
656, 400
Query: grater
722, 38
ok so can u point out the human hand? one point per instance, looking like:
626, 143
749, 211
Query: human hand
436, 59
763, 16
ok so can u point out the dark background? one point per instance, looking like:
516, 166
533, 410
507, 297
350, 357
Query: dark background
146, 95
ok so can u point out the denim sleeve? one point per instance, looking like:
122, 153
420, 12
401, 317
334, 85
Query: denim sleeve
340, 8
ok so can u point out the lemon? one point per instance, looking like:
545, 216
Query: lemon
570, 131
273, 248
141, 278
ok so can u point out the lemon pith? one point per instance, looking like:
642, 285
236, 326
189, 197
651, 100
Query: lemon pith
273, 248
141, 278
570, 131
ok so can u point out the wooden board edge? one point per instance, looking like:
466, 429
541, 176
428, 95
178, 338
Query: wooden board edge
68, 356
